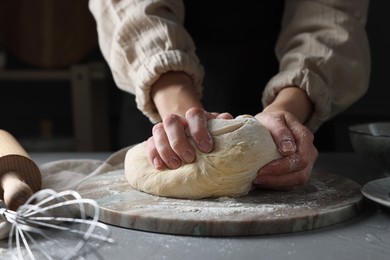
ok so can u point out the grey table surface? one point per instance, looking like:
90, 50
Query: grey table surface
367, 236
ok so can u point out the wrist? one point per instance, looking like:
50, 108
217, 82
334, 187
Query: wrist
293, 100
174, 93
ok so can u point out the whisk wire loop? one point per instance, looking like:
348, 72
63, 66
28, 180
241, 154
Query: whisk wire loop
45, 214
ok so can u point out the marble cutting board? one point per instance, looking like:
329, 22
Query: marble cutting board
327, 199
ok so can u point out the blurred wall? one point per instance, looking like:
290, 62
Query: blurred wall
45, 36
226, 36
228, 39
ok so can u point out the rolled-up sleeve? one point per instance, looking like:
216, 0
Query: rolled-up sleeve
323, 49
142, 39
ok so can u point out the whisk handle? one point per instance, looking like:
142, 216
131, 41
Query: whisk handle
20, 177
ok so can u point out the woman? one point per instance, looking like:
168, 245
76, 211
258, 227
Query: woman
324, 67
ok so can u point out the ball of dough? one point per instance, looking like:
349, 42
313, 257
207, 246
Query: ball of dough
241, 147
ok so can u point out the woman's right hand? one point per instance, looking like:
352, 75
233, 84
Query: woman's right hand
170, 146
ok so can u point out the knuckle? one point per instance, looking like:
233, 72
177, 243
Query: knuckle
150, 143
176, 145
315, 153
308, 134
276, 120
195, 111
170, 119
158, 128
164, 151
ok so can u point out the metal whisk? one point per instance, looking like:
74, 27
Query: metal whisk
55, 221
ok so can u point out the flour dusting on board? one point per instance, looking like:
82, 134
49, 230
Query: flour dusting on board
326, 199
260, 203
219, 207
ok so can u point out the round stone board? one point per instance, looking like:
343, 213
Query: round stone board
327, 199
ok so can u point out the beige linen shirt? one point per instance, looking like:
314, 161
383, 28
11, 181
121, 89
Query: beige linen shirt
322, 48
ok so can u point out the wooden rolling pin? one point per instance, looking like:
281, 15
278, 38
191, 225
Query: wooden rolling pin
20, 177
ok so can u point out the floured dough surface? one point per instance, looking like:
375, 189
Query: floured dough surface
241, 147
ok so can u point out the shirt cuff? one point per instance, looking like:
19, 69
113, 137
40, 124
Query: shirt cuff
149, 72
312, 84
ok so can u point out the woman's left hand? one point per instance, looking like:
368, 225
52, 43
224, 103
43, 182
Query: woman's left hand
295, 143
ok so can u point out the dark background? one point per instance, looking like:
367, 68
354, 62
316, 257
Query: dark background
234, 42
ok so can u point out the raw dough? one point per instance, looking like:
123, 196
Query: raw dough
241, 147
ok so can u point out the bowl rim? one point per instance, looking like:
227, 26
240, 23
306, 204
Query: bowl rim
357, 129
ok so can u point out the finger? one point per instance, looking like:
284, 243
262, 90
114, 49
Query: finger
197, 124
283, 182
282, 135
152, 154
292, 171
304, 139
302, 136
225, 116
283, 174
212, 115
163, 147
304, 157
178, 140
284, 166
306, 146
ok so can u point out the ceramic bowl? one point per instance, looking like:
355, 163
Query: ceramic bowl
372, 140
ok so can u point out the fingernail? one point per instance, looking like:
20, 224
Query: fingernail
188, 156
287, 146
205, 146
174, 162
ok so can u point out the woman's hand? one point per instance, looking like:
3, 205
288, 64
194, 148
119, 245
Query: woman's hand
295, 144
170, 146
294, 141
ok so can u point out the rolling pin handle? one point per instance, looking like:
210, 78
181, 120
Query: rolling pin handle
20, 177
16, 191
